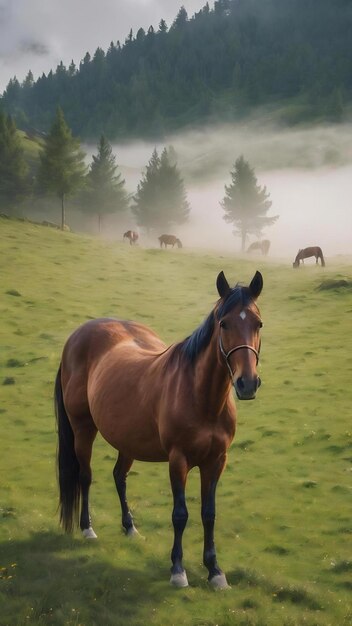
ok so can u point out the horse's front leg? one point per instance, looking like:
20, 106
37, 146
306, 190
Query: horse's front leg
210, 474
178, 469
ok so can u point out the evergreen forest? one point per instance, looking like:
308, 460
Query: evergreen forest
291, 56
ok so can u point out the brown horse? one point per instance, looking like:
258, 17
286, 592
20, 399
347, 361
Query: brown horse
263, 246
308, 252
131, 235
169, 240
154, 403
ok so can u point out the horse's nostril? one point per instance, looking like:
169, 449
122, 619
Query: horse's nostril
259, 382
240, 383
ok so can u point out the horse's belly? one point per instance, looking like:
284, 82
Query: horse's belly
131, 440
125, 419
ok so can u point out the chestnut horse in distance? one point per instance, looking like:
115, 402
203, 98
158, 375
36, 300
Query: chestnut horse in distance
305, 253
157, 403
131, 235
169, 240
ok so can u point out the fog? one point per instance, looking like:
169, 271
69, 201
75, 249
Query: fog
308, 173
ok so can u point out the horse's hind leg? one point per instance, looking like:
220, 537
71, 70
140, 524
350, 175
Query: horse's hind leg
121, 469
84, 439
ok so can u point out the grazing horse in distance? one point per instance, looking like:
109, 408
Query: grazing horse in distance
305, 253
169, 240
131, 235
157, 403
263, 246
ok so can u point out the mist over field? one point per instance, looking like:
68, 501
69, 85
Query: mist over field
308, 173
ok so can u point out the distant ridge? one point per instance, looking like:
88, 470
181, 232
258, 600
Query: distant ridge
218, 65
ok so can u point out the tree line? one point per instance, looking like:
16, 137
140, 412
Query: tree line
159, 203
218, 64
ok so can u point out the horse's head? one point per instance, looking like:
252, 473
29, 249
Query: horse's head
179, 244
239, 333
297, 259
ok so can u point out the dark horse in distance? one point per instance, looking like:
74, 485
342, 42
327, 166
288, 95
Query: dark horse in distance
169, 240
305, 253
263, 246
131, 235
157, 403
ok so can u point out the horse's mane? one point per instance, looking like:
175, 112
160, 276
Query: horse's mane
193, 345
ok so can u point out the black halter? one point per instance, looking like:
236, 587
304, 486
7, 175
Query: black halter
226, 355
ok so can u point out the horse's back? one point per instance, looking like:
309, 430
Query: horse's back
311, 251
89, 343
92, 340
263, 246
253, 246
168, 239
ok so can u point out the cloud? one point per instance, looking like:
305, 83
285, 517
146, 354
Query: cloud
34, 47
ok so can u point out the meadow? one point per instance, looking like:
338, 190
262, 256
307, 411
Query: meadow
284, 524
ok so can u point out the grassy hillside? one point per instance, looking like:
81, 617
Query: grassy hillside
31, 145
284, 501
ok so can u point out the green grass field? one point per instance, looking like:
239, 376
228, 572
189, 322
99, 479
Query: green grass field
284, 524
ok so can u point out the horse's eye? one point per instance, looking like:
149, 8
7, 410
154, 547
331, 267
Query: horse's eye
223, 324
260, 325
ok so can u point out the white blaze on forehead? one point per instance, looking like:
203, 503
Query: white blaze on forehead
243, 315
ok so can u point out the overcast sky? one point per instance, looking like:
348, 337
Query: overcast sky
38, 34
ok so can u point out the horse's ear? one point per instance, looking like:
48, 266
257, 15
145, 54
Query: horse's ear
222, 285
256, 285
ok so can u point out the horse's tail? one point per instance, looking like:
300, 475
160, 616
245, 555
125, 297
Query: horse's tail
322, 258
67, 464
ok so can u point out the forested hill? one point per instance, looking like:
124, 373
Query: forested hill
295, 55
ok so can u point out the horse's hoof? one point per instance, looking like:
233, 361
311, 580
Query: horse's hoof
179, 580
219, 582
88, 533
133, 532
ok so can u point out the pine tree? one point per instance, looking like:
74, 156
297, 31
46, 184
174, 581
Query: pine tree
246, 203
14, 184
62, 168
105, 192
162, 26
160, 201
28, 81
146, 207
72, 70
174, 207
180, 19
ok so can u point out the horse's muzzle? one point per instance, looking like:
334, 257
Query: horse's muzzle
246, 388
